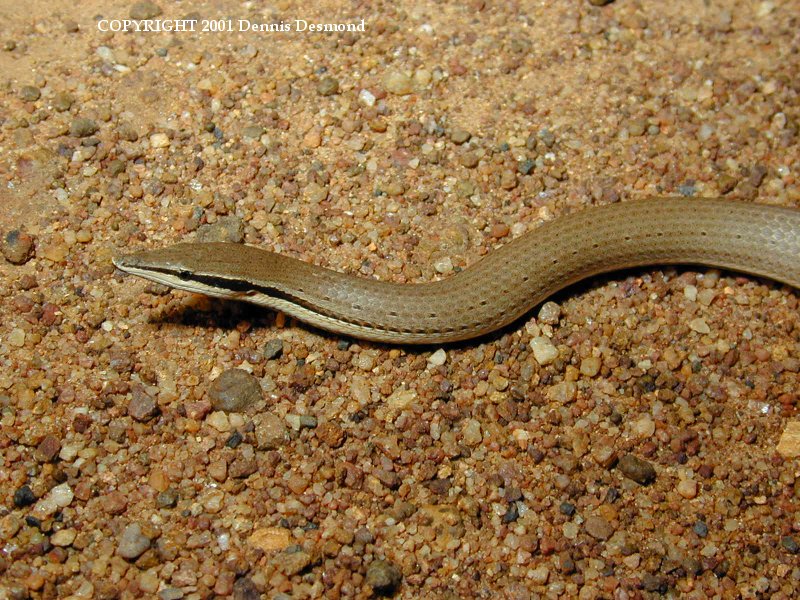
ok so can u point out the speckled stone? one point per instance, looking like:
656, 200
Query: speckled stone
142, 406
234, 390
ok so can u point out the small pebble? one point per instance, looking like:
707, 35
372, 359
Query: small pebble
549, 313
328, 86
790, 544
24, 496
292, 561
234, 391
132, 543
270, 539
48, 449
29, 93
331, 434
438, 358
598, 527
398, 83
17, 247
383, 577
273, 349
590, 366
543, 350
700, 528
16, 337
366, 98
470, 159
687, 488
219, 421
167, 499
699, 325
460, 136
82, 128
63, 537
270, 431
252, 132
142, 406
159, 140
443, 265
472, 432
63, 101
638, 470
539, 575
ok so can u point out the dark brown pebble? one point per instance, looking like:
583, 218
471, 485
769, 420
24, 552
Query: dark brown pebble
600, 2
17, 247
51, 315
234, 390
48, 449
242, 467
142, 406
440, 486
706, 471
81, 423
383, 577
638, 470
245, 589
27, 282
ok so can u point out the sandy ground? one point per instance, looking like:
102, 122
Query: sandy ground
159, 444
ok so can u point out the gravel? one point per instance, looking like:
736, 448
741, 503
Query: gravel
234, 390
